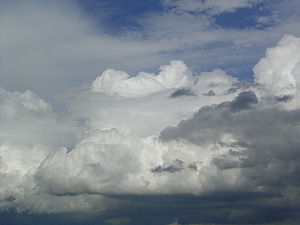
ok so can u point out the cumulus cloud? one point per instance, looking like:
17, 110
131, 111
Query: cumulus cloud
21, 112
175, 75
30, 130
267, 138
136, 137
216, 82
280, 77
118, 103
31, 180
107, 162
216, 149
152, 139
235, 145
16, 166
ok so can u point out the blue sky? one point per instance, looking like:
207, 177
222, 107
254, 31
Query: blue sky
119, 16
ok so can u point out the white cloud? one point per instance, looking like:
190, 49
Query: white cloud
217, 81
143, 105
107, 162
26, 119
175, 75
279, 76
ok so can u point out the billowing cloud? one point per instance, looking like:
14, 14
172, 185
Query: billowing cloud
265, 139
175, 75
216, 82
21, 112
127, 105
280, 77
119, 146
225, 138
174, 132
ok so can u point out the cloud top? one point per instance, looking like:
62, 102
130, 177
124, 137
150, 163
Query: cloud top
114, 82
278, 71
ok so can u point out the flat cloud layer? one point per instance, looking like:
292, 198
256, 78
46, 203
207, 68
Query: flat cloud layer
168, 133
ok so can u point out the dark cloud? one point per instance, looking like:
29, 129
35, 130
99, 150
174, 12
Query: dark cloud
284, 98
181, 93
210, 93
215, 208
266, 147
173, 167
176, 166
244, 101
225, 163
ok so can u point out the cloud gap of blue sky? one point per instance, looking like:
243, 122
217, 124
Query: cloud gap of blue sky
243, 18
120, 16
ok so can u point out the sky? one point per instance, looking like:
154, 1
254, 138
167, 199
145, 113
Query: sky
166, 112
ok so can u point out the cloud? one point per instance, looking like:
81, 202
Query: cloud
175, 75
280, 76
50, 59
125, 136
264, 139
148, 111
117, 221
244, 101
186, 134
181, 93
173, 167
216, 81
17, 165
21, 112
237, 145
211, 7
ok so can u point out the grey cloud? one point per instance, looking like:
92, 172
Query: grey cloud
284, 98
210, 93
176, 166
267, 139
244, 101
182, 93
238, 86
225, 163
117, 221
